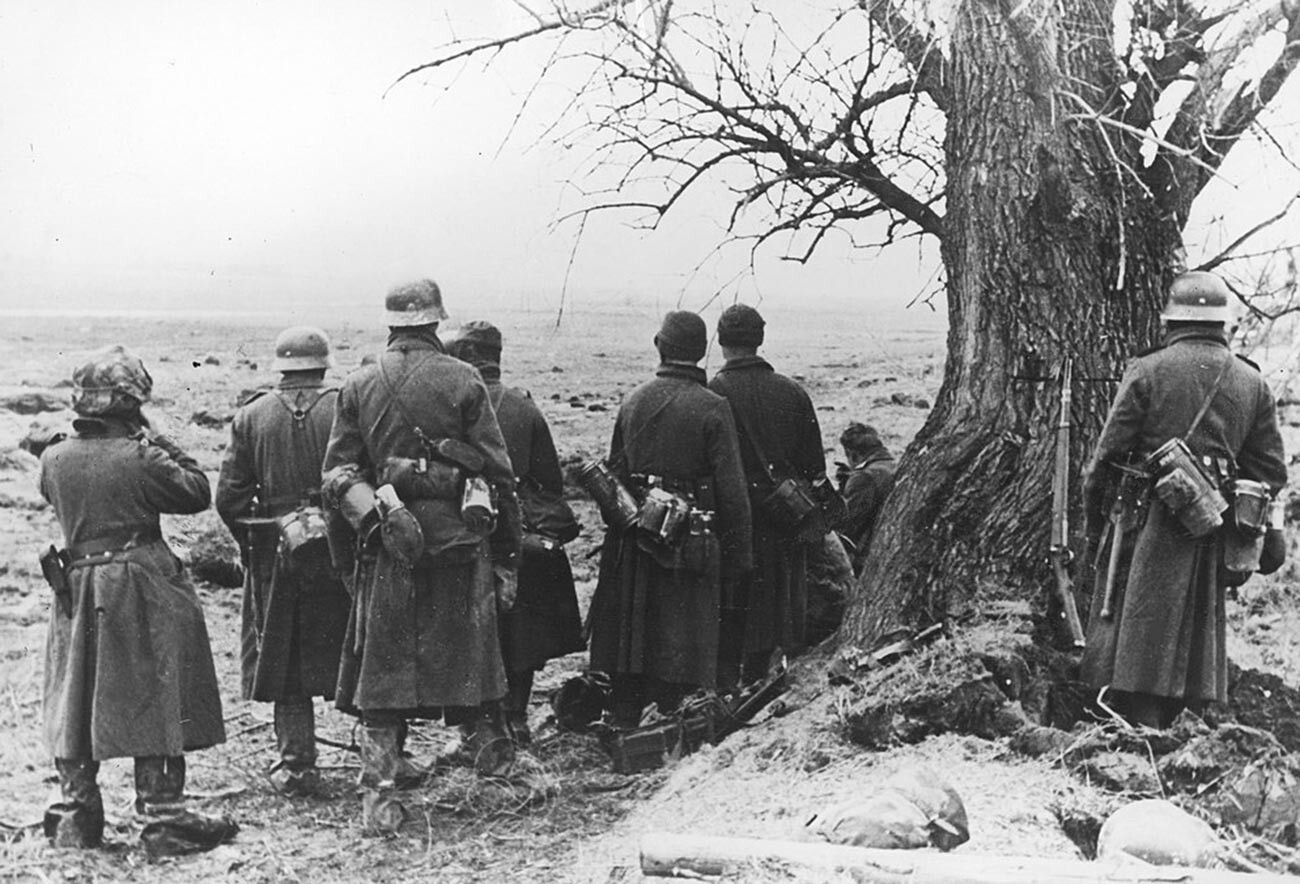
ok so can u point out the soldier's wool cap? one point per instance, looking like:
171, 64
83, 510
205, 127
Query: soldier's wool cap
480, 333
300, 348
740, 325
414, 303
111, 380
1197, 296
682, 336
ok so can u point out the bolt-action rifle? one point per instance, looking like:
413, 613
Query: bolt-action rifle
1061, 554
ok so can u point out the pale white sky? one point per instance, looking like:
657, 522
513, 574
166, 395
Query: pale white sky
158, 154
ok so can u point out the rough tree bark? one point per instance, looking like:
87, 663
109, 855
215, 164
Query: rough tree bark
1052, 250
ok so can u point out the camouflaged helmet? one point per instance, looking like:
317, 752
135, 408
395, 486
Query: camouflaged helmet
112, 379
301, 348
414, 303
1197, 296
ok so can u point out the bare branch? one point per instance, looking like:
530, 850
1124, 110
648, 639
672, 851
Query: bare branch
1232, 247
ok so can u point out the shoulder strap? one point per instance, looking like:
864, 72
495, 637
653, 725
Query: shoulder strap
1209, 397
394, 391
753, 442
300, 414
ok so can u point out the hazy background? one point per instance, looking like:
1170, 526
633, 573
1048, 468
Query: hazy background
242, 156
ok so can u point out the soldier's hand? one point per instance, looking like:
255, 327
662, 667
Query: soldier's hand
505, 582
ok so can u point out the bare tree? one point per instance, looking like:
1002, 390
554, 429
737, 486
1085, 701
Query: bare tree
1053, 147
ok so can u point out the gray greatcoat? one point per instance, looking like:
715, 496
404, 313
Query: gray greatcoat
1167, 637
129, 673
422, 639
294, 613
646, 618
781, 417
544, 622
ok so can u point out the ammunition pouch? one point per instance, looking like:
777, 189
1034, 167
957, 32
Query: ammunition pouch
546, 515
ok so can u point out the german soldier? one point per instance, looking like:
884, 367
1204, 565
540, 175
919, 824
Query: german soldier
295, 608
414, 448
655, 613
1157, 631
779, 438
128, 666
544, 622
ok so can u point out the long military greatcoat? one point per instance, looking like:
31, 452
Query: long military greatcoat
1167, 636
781, 417
130, 672
544, 622
425, 638
646, 618
294, 613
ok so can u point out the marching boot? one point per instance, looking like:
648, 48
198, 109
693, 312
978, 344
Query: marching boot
409, 775
157, 791
295, 734
172, 829
515, 706
77, 820
491, 746
381, 811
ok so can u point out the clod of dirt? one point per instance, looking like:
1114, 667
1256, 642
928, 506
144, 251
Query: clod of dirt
1122, 772
210, 420
214, 558
1263, 700
211, 360
1037, 741
32, 402
1206, 760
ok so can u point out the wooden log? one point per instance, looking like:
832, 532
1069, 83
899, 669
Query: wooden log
694, 855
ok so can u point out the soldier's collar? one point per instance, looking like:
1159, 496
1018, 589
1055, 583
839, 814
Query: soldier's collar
300, 383
686, 370
411, 339
754, 361
1218, 336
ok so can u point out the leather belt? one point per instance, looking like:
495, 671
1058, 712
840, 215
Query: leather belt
108, 544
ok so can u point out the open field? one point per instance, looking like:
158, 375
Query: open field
566, 818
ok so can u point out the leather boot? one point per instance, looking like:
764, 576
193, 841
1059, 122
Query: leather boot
491, 746
77, 820
515, 706
381, 811
295, 734
158, 788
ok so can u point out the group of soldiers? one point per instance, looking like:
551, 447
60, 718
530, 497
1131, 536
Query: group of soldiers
402, 539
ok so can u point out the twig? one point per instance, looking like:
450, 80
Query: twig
248, 730
349, 747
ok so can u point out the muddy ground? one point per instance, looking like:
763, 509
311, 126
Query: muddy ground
565, 816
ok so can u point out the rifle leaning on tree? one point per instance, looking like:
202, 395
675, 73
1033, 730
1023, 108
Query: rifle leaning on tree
1060, 552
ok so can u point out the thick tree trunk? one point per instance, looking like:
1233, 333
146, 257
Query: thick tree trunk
1052, 249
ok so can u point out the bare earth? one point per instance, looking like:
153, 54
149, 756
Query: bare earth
564, 817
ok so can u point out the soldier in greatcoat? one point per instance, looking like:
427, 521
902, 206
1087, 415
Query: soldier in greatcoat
544, 622
865, 482
295, 608
655, 615
779, 437
1162, 647
422, 640
128, 665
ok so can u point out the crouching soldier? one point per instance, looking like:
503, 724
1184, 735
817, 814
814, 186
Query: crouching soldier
128, 666
414, 449
544, 622
295, 608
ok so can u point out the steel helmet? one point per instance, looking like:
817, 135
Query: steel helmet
300, 348
1197, 296
102, 384
414, 303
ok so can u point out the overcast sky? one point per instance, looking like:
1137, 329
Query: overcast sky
242, 155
